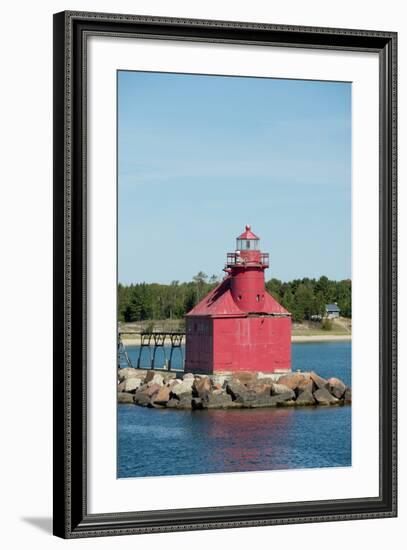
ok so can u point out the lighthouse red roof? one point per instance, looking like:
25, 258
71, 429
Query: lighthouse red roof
248, 234
220, 303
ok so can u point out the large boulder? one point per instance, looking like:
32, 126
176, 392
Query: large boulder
240, 393
262, 388
182, 389
236, 389
132, 384
152, 389
220, 379
156, 378
168, 376
264, 379
305, 398
278, 389
336, 387
201, 386
282, 398
128, 372
324, 397
183, 403
320, 382
216, 400
141, 398
305, 385
245, 377
125, 398
262, 400
292, 380
162, 397
271, 376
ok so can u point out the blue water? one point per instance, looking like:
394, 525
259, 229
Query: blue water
153, 442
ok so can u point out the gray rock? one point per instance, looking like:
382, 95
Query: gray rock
336, 387
125, 398
245, 377
305, 385
216, 400
262, 388
152, 389
157, 378
142, 399
128, 372
183, 388
281, 398
323, 397
264, 379
196, 403
292, 380
261, 401
270, 376
279, 389
220, 379
305, 398
237, 390
348, 395
168, 376
201, 387
183, 403
188, 375
320, 383
131, 384
162, 397
172, 403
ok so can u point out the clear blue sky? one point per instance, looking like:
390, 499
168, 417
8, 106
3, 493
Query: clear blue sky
201, 156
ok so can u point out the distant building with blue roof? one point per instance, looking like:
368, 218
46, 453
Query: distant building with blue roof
332, 311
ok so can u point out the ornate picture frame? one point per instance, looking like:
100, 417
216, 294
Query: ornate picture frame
71, 33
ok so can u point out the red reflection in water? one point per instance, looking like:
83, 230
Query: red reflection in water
244, 438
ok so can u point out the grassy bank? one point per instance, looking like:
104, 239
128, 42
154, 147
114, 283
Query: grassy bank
337, 330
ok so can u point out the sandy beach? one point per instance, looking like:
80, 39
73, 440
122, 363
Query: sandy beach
135, 340
322, 338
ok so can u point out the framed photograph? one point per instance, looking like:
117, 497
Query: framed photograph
224, 274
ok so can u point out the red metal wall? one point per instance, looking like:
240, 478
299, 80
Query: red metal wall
233, 344
252, 344
247, 287
199, 345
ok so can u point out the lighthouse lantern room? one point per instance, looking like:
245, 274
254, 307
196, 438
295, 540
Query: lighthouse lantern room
239, 326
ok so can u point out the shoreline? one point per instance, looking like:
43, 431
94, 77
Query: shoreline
294, 339
232, 390
321, 338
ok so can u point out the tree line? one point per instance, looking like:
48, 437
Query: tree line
303, 298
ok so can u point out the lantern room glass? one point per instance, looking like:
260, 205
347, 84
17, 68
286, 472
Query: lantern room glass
247, 244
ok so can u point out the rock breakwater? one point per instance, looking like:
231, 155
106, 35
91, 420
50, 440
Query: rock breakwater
164, 389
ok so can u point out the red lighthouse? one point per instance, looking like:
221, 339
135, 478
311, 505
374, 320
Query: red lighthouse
239, 325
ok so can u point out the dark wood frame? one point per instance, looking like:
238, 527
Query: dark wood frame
71, 518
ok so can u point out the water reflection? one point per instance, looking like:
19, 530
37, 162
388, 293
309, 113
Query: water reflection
154, 442
247, 438
167, 442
